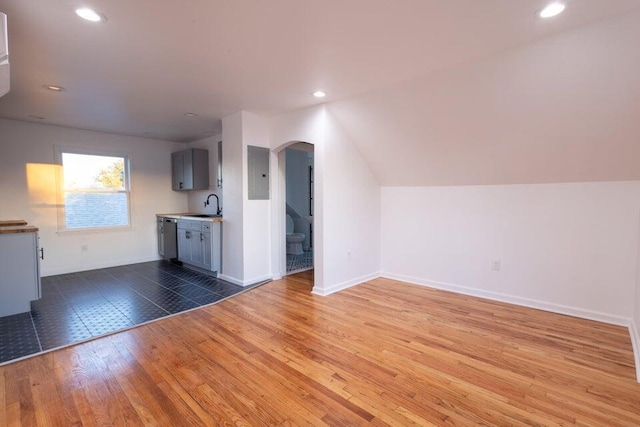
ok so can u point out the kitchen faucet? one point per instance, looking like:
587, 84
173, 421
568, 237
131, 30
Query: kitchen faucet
218, 210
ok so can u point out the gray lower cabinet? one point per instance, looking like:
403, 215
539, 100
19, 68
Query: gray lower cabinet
206, 247
197, 248
184, 244
199, 244
160, 234
20, 267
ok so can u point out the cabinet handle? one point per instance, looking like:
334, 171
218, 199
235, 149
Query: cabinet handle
42, 254
181, 186
201, 237
188, 234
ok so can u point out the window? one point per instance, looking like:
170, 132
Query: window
95, 190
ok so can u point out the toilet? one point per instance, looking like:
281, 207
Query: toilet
294, 240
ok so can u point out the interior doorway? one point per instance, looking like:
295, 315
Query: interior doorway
299, 207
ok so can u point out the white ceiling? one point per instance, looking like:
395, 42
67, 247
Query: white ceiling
157, 59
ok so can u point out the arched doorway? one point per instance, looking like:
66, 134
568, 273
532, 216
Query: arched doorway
306, 219
299, 196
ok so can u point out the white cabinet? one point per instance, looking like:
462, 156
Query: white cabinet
199, 244
190, 169
20, 267
4, 55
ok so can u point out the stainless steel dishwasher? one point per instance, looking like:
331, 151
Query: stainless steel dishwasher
167, 238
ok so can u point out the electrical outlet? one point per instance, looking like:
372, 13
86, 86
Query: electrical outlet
349, 254
84, 247
495, 264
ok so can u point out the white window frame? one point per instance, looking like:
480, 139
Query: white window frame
61, 212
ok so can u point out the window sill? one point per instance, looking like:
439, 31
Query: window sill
94, 230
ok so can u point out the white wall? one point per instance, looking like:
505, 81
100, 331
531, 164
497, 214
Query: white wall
197, 198
257, 213
246, 230
634, 328
27, 191
570, 248
351, 212
304, 125
232, 229
636, 316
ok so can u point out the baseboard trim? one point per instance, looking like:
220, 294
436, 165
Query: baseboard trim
231, 279
526, 302
345, 285
97, 265
635, 342
259, 279
245, 283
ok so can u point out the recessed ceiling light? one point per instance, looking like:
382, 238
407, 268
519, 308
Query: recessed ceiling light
190, 114
90, 15
54, 88
319, 94
552, 9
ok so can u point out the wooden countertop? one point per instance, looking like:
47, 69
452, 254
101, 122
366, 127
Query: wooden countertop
13, 222
16, 226
189, 216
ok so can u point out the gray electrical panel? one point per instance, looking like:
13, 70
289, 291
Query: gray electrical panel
258, 172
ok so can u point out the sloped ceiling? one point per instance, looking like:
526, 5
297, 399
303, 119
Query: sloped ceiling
562, 109
432, 92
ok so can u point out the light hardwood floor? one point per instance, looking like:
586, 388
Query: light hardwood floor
382, 353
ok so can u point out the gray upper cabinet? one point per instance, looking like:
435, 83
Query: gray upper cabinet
190, 169
219, 166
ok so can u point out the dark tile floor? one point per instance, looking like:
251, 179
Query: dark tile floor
300, 262
78, 306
